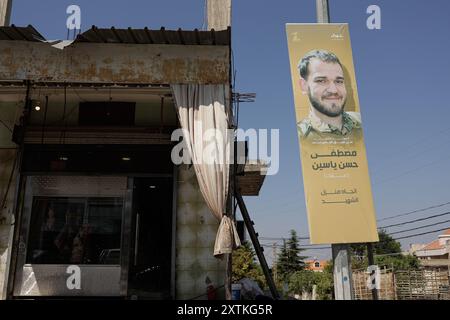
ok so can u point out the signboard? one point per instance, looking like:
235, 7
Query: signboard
333, 155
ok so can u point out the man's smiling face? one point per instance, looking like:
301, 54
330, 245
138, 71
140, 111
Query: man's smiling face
325, 87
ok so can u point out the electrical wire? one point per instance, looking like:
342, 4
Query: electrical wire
416, 220
411, 171
415, 211
381, 228
420, 234
426, 226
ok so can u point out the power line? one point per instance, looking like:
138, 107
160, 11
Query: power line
420, 234
410, 171
388, 226
430, 136
416, 220
415, 211
381, 255
422, 152
301, 248
426, 226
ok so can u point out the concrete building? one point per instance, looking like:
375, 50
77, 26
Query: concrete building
86, 178
316, 265
436, 254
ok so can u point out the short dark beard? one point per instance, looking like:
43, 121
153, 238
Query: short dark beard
321, 108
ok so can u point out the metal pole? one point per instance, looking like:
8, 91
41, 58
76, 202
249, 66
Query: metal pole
323, 11
371, 263
343, 286
256, 245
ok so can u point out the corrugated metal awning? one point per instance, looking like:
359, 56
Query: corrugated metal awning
162, 36
20, 33
129, 35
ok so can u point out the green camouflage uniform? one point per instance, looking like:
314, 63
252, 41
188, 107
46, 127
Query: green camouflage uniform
312, 126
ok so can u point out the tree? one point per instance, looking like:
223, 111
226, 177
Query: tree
387, 244
289, 259
387, 252
303, 281
325, 283
244, 265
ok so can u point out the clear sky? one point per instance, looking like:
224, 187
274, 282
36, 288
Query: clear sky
403, 77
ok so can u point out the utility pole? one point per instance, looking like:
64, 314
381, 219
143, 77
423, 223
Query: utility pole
274, 262
219, 14
371, 263
219, 18
342, 270
5, 12
322, 11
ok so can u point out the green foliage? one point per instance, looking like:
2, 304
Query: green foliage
359, 262
386, 244
400, 262
325, 285
303, 281
289, 260
386, 249
245, 266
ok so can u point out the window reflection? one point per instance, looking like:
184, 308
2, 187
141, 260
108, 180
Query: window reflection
75, 230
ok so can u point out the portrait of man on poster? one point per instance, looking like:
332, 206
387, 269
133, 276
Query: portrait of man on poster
322, 78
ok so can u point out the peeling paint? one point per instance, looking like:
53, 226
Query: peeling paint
85, 62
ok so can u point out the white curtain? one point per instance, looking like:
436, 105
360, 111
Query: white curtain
203, 111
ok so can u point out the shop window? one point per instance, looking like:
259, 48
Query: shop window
75, 230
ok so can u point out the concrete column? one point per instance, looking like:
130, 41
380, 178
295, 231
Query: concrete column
5, 12
323, 12
219, 14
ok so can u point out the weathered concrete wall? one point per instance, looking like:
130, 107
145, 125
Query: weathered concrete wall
196, 234
219, 14
7, 157
124, 63
8, 113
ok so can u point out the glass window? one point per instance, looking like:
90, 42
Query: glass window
75, 230
317, 264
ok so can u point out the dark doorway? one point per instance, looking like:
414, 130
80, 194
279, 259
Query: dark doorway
151, 249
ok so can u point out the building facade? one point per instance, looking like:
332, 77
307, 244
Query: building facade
93, 205
436, 254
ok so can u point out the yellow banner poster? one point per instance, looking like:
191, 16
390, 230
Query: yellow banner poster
333, 155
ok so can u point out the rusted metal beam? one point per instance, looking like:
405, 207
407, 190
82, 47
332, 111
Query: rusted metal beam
111, 63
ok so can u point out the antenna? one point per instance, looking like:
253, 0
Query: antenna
242, 97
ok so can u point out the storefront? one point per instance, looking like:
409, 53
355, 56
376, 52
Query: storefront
97, 207
116, 226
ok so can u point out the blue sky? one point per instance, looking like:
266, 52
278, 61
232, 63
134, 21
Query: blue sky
402, 74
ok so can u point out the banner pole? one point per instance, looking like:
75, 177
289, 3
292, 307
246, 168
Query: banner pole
371, 263
342, 270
